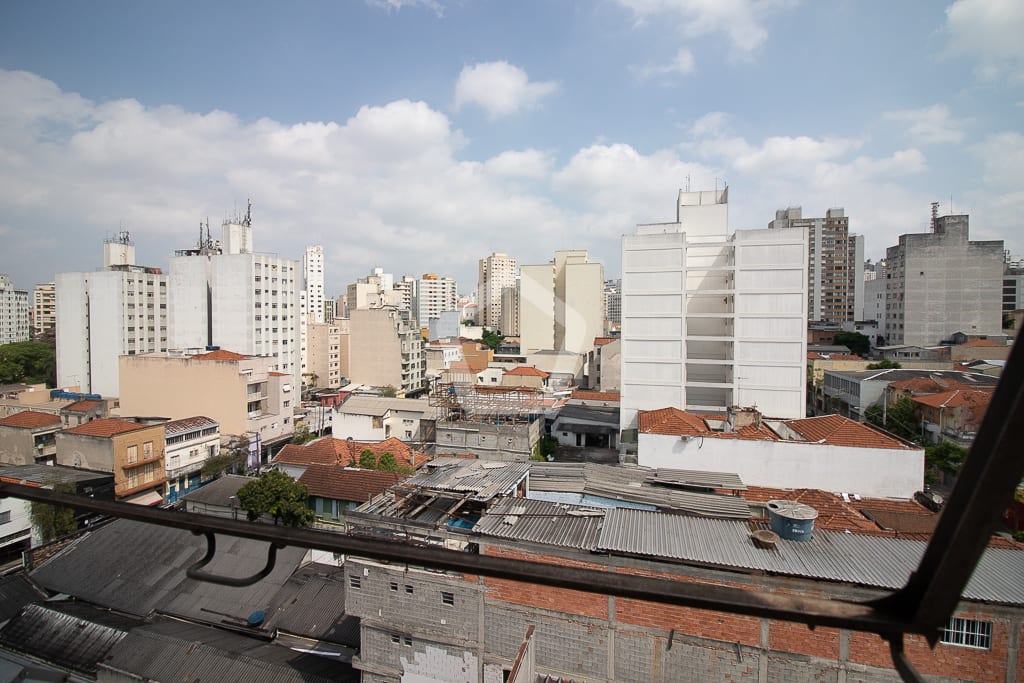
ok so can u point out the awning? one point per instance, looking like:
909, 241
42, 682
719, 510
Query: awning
149, 498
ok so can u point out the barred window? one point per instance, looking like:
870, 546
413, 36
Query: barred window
968, 633
354, 581
447, 598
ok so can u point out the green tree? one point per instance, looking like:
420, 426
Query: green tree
898, 419
884, 365
367, 460
492, 339
546, 446
53, 521
231, 460
389, 392
302, 435
31, 362
855, 341
945, 456
387, 463
278, 495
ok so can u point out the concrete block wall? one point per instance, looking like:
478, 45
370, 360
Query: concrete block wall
573, 646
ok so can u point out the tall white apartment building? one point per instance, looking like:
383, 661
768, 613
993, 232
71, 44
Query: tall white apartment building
496, 272
561, 304
120, 310
313, 284
436, 296
940, 282
835, 264
241, 301
712, 320
14, 316
44, 309
407, 293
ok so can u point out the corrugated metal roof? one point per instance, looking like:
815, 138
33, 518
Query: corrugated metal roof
877, 561
16, 591
49, 474
483, 478
189, 424
68, 641
538, 521
314, 607
219, 491
728, 481
574, 413
375, 405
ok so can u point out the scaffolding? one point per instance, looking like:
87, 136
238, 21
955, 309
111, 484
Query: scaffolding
468, 402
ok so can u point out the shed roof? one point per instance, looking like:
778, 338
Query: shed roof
30, 419
484, 479
83, 406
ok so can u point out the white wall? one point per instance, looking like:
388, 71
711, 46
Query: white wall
874, 472
536, 307
355, 427
187, 314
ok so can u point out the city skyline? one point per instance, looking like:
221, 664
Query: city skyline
421, 136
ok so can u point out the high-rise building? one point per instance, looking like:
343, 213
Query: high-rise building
1013, 285
323, 367
510, 310
612, 304
385, 350
313, 283
940, 282
436, 296
496, 272
373, 291
561, 304
407, 290
44, 309
14, 326
712, 320
226, 295
120, 310
835, 264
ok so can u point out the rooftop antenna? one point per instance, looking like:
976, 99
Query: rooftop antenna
247, 222
935, 215
687, 182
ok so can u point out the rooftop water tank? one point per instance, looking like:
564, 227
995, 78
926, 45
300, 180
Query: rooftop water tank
791, 520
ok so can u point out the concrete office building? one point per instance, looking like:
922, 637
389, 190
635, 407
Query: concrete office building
223, 294
1013, 286
712, 320
385, 350
44, 309
120, 310
313, 283
835, 264
940, 282
496, 272
14, 325
323, 367
373, 291
561, 304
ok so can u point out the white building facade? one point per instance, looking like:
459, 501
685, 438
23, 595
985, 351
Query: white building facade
712, 320
14, 325
120, 310
437, 295
561, 304
44, 309
496, 272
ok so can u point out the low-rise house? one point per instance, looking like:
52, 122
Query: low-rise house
293, 459
29, 437
84, 410
189, 443
853, 392
831, 452
370, 418
334, 490
587, 426
525, 376
603, 399
132, 452
953, 416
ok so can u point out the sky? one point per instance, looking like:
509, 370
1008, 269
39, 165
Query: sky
421, 135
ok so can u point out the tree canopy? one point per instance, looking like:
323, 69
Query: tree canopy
855, 341
492, 339
51, 521
278, 495
884, 365
898, 419
30, 362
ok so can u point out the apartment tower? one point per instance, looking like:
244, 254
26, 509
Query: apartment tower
496, 272
14, 318
561, 304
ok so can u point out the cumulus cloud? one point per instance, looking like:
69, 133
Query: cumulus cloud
682, 64
528, 163
500, 88
396, 5
990, 32
929, 125
739, 21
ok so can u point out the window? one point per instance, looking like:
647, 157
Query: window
133, 455
354, 581
447, 598
968, 633
407, 641
408, 589
147, 450
393, 586
395, 638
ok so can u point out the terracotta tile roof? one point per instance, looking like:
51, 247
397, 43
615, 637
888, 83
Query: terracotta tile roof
601, 341
903, 522
814, 355
833, 513
837, 430
330, 451
676, 422
844, 356
934, 385
29, 419
584, 395
188, 424
343, 483
83, 406
107, 427
219, 354
958, 398
523, 371
278, 374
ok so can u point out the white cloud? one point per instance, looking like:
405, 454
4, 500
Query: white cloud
929, 125
396, 5
529, 163
682, 64
500, 88
1003, 157
989, 31
740, 21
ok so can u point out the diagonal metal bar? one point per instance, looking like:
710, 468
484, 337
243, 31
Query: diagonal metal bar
986, 483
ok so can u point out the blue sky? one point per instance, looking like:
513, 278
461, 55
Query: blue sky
420, 135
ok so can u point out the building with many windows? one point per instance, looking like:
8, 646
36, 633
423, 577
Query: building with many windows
941, 282
120, 310
835, 264
385, 350
712, 319
561, 304
323, 352
496, 273
436, 295
14, 317
44, 310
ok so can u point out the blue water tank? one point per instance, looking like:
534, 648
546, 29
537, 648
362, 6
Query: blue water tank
791, 520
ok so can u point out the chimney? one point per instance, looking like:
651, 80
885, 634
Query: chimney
743, 417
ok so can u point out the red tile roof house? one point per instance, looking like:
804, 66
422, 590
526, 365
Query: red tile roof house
29, 437
295, 460
831, 453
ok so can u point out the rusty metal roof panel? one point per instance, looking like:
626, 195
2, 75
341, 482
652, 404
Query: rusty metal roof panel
538, 521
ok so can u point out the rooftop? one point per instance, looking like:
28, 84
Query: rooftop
83, 406
331, 451
219, 354
380, 406
836, 430
527, 371
189, 424
585, 395
107, 427
483, 479
30, 419
676, 422
346, 483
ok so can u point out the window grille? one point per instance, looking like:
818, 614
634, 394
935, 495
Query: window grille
968, 633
